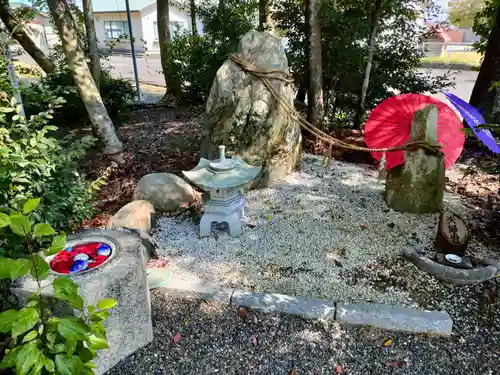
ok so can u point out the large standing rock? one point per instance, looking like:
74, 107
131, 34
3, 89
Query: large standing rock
165, 191
244, 116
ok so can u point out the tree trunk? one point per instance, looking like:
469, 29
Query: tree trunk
482, 97
21, 35
192, 14
315, 108
95, 61
265, 17
99, 118
163, 35
377, 8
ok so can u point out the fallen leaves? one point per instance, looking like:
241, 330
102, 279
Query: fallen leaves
242, 312
396, 364
255, 342
177, 337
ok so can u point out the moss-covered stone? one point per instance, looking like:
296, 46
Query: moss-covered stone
244, 116
418, 185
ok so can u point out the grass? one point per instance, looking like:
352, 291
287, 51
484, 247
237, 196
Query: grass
462, 57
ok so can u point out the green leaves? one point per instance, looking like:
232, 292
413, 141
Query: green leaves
4, 220
72, 328
70, 347
67, 290
26, 319
98, 343
68, 365
30, 205
106, 303
49, 365
58, 243
20, 224
40, 268
30, 336
27, 357
10, 358
43, 230
14, 268
7, 318
99, 316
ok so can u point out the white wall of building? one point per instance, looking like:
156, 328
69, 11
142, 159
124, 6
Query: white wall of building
104, 43
177, 16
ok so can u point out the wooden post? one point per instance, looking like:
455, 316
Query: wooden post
417, 186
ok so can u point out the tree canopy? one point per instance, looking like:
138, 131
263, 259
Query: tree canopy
462, 12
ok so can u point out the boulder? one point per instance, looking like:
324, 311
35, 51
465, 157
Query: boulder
244, 116
165, 191
138, 214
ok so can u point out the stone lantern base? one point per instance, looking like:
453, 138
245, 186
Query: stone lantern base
223, 210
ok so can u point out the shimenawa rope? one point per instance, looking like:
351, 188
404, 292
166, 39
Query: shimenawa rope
279, 75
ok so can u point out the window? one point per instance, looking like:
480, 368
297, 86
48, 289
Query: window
115, 29
173, 27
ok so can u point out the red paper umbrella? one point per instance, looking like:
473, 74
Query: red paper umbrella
389, 125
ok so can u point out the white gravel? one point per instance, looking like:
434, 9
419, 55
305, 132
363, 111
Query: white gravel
301, 233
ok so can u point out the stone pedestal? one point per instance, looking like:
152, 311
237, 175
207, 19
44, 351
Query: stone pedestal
123, 278
223, 206
418, 185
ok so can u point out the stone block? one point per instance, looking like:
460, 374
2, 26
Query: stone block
283, 304
129, 326
205, 291
395, 318
138, 215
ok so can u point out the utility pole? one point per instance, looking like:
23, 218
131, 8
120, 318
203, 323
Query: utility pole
132, 46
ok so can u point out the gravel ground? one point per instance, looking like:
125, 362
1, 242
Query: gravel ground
214, 340
306, 235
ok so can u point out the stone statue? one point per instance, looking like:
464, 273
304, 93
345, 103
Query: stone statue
417, 186
243, 115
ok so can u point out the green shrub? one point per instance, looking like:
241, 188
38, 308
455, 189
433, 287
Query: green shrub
116, 94
35, 164
193, 61
192, 65
38, 341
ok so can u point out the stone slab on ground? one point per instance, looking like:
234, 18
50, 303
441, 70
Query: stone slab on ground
205, 291
123, 278
376, 315
395, 318
272, 302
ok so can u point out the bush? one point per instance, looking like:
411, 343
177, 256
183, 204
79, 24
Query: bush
192, 65
39, 341
193, 61
34, 163
116, 94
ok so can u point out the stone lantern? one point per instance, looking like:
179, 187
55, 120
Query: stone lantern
223, 180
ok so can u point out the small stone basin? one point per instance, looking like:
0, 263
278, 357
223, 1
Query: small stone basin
94, 254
